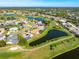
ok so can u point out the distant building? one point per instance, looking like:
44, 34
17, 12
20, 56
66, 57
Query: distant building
2, 37
13, 29
36, 31
2, 30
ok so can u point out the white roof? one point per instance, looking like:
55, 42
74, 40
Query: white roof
2, 37
14, 28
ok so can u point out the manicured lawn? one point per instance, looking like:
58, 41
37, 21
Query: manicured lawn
58, 47
9, 55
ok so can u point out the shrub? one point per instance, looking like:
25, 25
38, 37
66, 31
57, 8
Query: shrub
2, 43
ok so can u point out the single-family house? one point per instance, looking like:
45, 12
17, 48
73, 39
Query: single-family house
13, 29
12, 39
2, 30
2, 37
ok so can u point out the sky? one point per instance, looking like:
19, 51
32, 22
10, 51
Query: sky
39, 3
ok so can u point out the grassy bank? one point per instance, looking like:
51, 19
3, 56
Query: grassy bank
9, 55
71, 46
58, 47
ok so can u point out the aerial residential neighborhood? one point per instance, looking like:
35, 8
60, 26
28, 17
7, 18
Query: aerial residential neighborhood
27, 28
31, 30
39, 29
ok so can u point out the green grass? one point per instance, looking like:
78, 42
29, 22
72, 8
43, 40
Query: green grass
44, 52
50, 27
9, 55
67, 47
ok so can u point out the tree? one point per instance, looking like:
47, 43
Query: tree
22, 41
47, 22
2, 18
51, 47
8, 18
13, 18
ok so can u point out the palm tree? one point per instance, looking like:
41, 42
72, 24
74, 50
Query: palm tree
13, 18
8, 18
2, 18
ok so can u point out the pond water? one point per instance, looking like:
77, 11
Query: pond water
9, 14
51, 35
38, 19
74, 54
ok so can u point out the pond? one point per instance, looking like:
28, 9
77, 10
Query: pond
9, 14
51, 35
38, 19
74, 54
